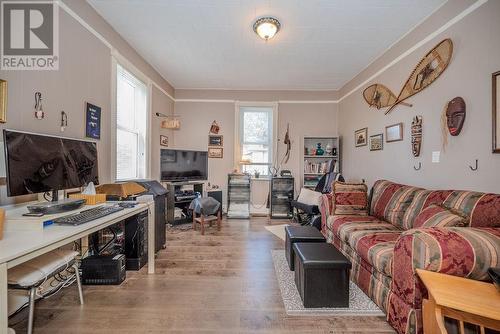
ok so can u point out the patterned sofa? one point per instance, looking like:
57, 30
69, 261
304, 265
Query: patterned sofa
385, 249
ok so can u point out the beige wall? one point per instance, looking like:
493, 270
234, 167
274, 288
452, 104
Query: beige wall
476, 56
304, 118
162, 104
84, 75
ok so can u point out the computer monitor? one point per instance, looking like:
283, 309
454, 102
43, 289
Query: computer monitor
37, 163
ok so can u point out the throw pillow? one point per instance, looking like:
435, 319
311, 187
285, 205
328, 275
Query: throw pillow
350, 199
309, 197
437, 216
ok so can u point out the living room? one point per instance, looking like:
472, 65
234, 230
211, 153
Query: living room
265, 146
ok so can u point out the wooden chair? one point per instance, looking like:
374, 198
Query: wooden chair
202, 220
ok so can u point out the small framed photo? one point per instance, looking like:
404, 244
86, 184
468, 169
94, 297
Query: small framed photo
360, 137
163, 140
377, 142
215, 140
216, 153
394, 132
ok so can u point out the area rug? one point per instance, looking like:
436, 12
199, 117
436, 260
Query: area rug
277, 230
359, 303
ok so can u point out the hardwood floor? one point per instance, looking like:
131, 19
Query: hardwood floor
223, 282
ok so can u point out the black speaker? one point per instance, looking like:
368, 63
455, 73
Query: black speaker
136, 241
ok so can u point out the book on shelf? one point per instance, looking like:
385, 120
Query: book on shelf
317, 167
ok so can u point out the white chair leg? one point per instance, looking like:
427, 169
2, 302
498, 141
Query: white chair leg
78, 283
31, 310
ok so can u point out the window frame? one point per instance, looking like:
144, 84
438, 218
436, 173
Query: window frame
273, 126
118, 60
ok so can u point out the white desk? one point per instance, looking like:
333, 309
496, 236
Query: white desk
17, 247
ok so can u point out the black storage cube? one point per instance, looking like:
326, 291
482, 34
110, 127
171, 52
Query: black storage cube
299, 234
321, 275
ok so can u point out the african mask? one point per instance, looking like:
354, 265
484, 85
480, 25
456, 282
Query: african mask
416, 135
455, 115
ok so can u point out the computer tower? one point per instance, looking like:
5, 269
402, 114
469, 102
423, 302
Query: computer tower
136, 241
103, 270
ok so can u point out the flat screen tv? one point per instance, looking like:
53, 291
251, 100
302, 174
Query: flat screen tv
38, 163
183, 165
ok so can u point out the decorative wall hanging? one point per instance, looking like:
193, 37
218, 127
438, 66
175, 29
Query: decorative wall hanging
214, 128
427, 71
215, 140
495, 81
39, 114
416, 135
379, 96
215, 152
377, 142
288, 144
163, 140
360, 137
394, 133
3, 101
92, 121
452, 119
172, 122
64, 121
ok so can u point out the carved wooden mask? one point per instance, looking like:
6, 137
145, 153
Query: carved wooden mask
455, 115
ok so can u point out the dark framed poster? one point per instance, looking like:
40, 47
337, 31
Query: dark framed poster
92, 121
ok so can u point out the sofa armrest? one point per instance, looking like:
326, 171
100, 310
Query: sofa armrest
325, 208
459, 251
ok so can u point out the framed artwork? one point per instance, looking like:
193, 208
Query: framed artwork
163, 140
360, 137
394, 132
377, 142
92, 121
215, 140
495, 81
214, 128
216, 153
3, 101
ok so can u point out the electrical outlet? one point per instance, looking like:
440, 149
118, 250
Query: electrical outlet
436, 156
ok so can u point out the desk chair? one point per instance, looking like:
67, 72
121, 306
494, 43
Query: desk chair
32, 274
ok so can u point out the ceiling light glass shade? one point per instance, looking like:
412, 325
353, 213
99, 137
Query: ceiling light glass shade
266, 27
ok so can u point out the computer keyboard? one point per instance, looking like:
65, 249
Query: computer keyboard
88, 215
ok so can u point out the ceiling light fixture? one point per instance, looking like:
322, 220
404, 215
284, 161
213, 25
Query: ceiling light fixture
266, 27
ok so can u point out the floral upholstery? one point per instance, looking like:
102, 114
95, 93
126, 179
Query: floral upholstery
386, 248
350, 199
437, 216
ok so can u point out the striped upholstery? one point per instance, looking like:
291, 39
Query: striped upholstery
437, 216
391, 200
387, 247
350, 199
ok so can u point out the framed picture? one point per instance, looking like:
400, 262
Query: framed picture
360, 137
216, 153
3, 101
215, 140
394, 132
163, 140
377, 142
92, 121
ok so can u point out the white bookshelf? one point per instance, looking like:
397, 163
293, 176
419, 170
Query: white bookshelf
313, 165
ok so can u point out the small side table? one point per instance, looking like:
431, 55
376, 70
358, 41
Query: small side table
466, 300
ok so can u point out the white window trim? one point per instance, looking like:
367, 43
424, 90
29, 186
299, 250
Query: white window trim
117, 59
237, 141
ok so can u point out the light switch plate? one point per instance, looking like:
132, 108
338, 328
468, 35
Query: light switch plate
436, 156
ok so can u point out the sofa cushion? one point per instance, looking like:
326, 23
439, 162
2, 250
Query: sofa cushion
421, 200
483, 209
390, 201
343, 226
376, 248
350, 199
437, 216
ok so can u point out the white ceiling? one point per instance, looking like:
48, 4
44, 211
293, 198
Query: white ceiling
211, 44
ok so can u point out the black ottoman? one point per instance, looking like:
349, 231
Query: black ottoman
299, 234
321, 275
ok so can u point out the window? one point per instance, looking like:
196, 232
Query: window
256, 138
131, 119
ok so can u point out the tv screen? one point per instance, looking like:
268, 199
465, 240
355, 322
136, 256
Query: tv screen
39, 163
183, 165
